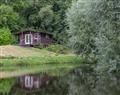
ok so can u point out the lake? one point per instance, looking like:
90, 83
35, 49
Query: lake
80, 81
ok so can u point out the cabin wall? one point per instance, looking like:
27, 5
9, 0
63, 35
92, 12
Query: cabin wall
22, 39
38, 38
46, 40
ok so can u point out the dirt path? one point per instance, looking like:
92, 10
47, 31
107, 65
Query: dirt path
18, 51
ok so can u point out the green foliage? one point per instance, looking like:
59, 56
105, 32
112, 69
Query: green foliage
5, 36
6, 85
47, 15
8, 18
43, 19
94, 30
81, 29
107, 40
58, 49
40, 46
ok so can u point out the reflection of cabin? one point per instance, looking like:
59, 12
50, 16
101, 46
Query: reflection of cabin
34, 82
32, 38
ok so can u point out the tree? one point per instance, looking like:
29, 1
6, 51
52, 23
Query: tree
5, 36
8, 18
43, 19
108, 34
94, 28
81, 29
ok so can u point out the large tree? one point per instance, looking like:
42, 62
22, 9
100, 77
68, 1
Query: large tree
81, 29
106, 15
94, 30
9, 18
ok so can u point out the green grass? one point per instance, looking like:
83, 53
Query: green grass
18, 51
54, 65
16, 61
39, 60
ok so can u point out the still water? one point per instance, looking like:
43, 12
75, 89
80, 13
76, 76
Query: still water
77, 82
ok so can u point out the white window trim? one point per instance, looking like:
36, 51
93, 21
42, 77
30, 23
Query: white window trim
28, 35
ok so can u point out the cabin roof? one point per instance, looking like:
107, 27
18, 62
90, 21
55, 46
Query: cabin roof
32, 31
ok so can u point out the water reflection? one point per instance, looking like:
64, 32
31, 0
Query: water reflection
34, 82
88, 83
31, 84
78, 82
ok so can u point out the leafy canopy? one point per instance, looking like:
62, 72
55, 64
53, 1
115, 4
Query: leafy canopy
5, 36
8, 18
94, 30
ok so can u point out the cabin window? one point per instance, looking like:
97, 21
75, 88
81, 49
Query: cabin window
28, 39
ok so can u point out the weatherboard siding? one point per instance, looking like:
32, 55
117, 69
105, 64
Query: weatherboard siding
37, 38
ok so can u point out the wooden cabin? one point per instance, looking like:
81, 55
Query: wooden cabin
33, 38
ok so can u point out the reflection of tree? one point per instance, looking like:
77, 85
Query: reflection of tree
90, 84
81, 83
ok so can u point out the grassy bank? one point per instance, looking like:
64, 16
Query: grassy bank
39, 60
23, 60
18, 51
53, 65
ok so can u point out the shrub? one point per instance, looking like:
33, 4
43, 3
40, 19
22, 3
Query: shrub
15, 40
40, 46
58, 49
5, 36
